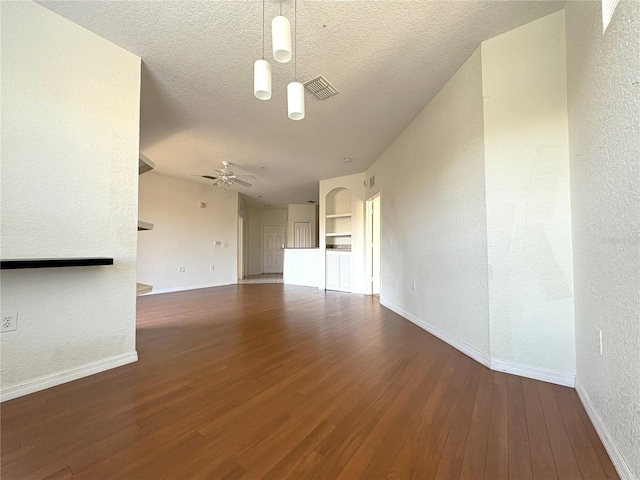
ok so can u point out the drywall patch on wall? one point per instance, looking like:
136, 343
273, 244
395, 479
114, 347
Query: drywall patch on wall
527, 195
433, 219
70, 119
604, 127
185, 235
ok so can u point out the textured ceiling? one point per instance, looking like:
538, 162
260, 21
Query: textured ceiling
387, 58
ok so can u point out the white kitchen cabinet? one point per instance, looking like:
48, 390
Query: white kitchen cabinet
338, 274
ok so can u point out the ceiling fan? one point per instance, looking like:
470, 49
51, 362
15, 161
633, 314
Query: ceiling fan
225, 177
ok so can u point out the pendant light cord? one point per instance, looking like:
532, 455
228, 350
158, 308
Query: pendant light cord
263, 29
295, 40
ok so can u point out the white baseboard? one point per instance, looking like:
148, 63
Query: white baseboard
497, 364
536, 373
184, 289
614, 454
455, 343
49, 381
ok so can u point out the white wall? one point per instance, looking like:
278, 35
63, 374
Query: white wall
431, 180
527, 188
70, 116
301, 213
604, 134
258, 218
184, 234
355, 185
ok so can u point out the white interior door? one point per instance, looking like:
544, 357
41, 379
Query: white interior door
272, 248
301, 234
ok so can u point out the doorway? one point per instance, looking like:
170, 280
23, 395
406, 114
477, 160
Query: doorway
273, 249
373, 246
241, 252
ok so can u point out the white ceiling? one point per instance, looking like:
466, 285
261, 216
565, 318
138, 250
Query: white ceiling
387, 58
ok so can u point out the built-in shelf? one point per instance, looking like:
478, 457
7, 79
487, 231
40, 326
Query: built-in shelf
144, 164
339, 215
144, 225
23, 263
339, 234
142, 288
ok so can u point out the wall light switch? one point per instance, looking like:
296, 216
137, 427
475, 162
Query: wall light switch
217, 242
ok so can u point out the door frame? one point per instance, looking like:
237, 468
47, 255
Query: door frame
240, 253
369, 243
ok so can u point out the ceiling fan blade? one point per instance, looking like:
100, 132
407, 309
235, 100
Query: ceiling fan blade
210, 177
218, 171
247, 176
241, 182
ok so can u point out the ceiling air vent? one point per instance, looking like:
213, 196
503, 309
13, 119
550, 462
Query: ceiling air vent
321, 88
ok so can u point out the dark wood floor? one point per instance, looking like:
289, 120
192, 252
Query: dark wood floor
272, 381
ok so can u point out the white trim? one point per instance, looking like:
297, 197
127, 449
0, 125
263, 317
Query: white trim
190, 287
463, 347
543, 374
614, 454
536, 373
59, 378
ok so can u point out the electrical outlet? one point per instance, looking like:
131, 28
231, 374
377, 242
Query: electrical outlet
181, 269
9, 321
413, 284
212, 267
599, 340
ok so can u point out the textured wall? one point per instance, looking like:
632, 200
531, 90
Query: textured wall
184, 234
604, 134
528, 205
431, 181
70, 116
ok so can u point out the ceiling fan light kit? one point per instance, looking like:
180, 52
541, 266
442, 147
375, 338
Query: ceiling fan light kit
282, 53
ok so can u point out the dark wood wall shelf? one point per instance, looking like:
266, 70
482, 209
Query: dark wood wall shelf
20, 263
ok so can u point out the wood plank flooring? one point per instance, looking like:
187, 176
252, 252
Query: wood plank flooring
279, 382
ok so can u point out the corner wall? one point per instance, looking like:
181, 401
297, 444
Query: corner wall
184, 234
604, 135
70, 120
433, 222
528, 207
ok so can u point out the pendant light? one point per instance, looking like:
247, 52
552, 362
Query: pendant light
262, 72
281, 37
295, 90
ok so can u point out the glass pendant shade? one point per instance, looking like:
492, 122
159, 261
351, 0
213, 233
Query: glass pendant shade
262, 79
295, 100
281, 39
